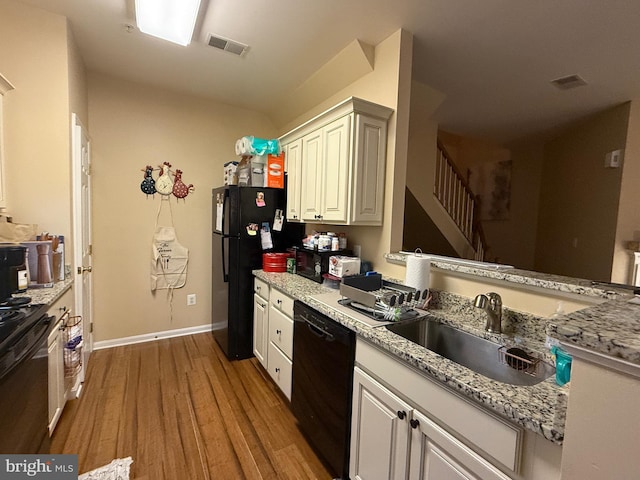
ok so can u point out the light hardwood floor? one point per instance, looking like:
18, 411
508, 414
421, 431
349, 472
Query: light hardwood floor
181, 410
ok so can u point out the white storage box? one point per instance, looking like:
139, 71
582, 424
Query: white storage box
342, 266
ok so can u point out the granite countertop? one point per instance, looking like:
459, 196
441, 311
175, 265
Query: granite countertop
47, 295
540, 408
611, 328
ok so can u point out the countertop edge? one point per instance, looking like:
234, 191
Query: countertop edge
48, 296
611, 328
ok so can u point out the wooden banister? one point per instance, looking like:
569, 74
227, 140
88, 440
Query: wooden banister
454, 194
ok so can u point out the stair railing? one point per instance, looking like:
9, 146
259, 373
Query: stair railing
453, 192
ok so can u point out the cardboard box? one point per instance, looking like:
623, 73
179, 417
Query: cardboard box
275, 171
342, 266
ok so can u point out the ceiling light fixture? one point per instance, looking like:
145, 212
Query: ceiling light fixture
172, 20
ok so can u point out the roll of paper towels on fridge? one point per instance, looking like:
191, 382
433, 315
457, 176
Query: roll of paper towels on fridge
418, 272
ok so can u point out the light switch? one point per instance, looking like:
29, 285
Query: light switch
613, 159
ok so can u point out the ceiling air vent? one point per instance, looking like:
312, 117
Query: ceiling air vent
570, 81
227, 45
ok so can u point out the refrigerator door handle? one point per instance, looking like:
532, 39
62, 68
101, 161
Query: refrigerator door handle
225, 273
225, 231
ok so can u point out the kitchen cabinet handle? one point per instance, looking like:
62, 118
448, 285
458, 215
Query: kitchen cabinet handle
278, 301
414, 423
277, 370
278, 332
402, 414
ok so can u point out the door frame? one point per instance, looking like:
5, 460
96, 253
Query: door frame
78, 228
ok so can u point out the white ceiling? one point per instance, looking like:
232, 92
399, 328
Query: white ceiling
493, 59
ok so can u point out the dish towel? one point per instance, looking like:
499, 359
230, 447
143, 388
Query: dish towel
118, 469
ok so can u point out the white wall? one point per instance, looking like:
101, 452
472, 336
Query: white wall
35, 59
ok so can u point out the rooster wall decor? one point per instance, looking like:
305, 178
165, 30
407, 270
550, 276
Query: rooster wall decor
164, 184
180, 190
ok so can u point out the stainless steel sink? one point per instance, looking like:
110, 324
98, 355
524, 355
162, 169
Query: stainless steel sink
478, 354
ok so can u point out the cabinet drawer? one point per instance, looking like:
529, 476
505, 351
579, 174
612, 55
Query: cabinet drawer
282, 302
280, 368
261, 288
281, 331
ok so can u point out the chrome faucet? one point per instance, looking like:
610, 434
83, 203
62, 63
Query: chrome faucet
492, 303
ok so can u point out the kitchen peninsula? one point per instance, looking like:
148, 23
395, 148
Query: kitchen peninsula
541, 409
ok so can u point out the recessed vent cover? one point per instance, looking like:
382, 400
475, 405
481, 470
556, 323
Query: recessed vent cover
227, 45
570, 81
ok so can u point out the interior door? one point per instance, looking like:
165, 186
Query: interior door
81, 158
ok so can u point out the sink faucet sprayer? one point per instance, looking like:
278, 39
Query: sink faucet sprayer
492, 303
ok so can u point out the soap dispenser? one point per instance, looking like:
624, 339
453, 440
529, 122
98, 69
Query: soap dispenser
563, 365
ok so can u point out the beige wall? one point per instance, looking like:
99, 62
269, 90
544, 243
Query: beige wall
389, 84
132, 126
603, 421
579, 198
34, 58
628, 225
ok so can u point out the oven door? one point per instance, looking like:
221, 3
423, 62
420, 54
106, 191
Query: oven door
24, 389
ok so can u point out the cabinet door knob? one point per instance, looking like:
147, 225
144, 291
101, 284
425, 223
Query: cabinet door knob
278, 332
277, 370
278, 301
414, 423
402, 414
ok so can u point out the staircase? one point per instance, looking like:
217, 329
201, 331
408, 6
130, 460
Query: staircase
452, 190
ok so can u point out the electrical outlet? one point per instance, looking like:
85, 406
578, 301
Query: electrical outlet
191, 299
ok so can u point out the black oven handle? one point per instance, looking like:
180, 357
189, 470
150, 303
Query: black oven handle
319, 332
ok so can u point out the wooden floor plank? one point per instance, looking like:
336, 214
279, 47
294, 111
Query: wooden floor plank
181, 410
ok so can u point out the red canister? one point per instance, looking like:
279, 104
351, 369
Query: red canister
275, 262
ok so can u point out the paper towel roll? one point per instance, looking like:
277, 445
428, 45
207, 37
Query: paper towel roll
418, 272
243, 147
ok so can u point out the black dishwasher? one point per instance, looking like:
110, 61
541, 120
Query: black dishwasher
322, 384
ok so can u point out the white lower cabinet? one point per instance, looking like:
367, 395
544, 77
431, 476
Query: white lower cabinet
273, 333
280, 357
260, 328
59, 387
56, 376
379, 431
391, 439
437, 455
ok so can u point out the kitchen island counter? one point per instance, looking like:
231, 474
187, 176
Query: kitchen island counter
540, 408
611, 328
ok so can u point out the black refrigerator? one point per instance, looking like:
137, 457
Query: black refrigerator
239, 216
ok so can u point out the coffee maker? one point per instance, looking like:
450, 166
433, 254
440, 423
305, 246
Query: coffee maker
13, 271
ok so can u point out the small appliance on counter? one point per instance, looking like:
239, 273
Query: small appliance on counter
313, 263
13, 272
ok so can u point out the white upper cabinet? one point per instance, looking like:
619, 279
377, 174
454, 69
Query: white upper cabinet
293, 156
339, 167
5, 86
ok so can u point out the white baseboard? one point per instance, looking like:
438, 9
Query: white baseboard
150, 337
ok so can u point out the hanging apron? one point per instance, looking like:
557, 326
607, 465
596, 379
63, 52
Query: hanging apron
168, 258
